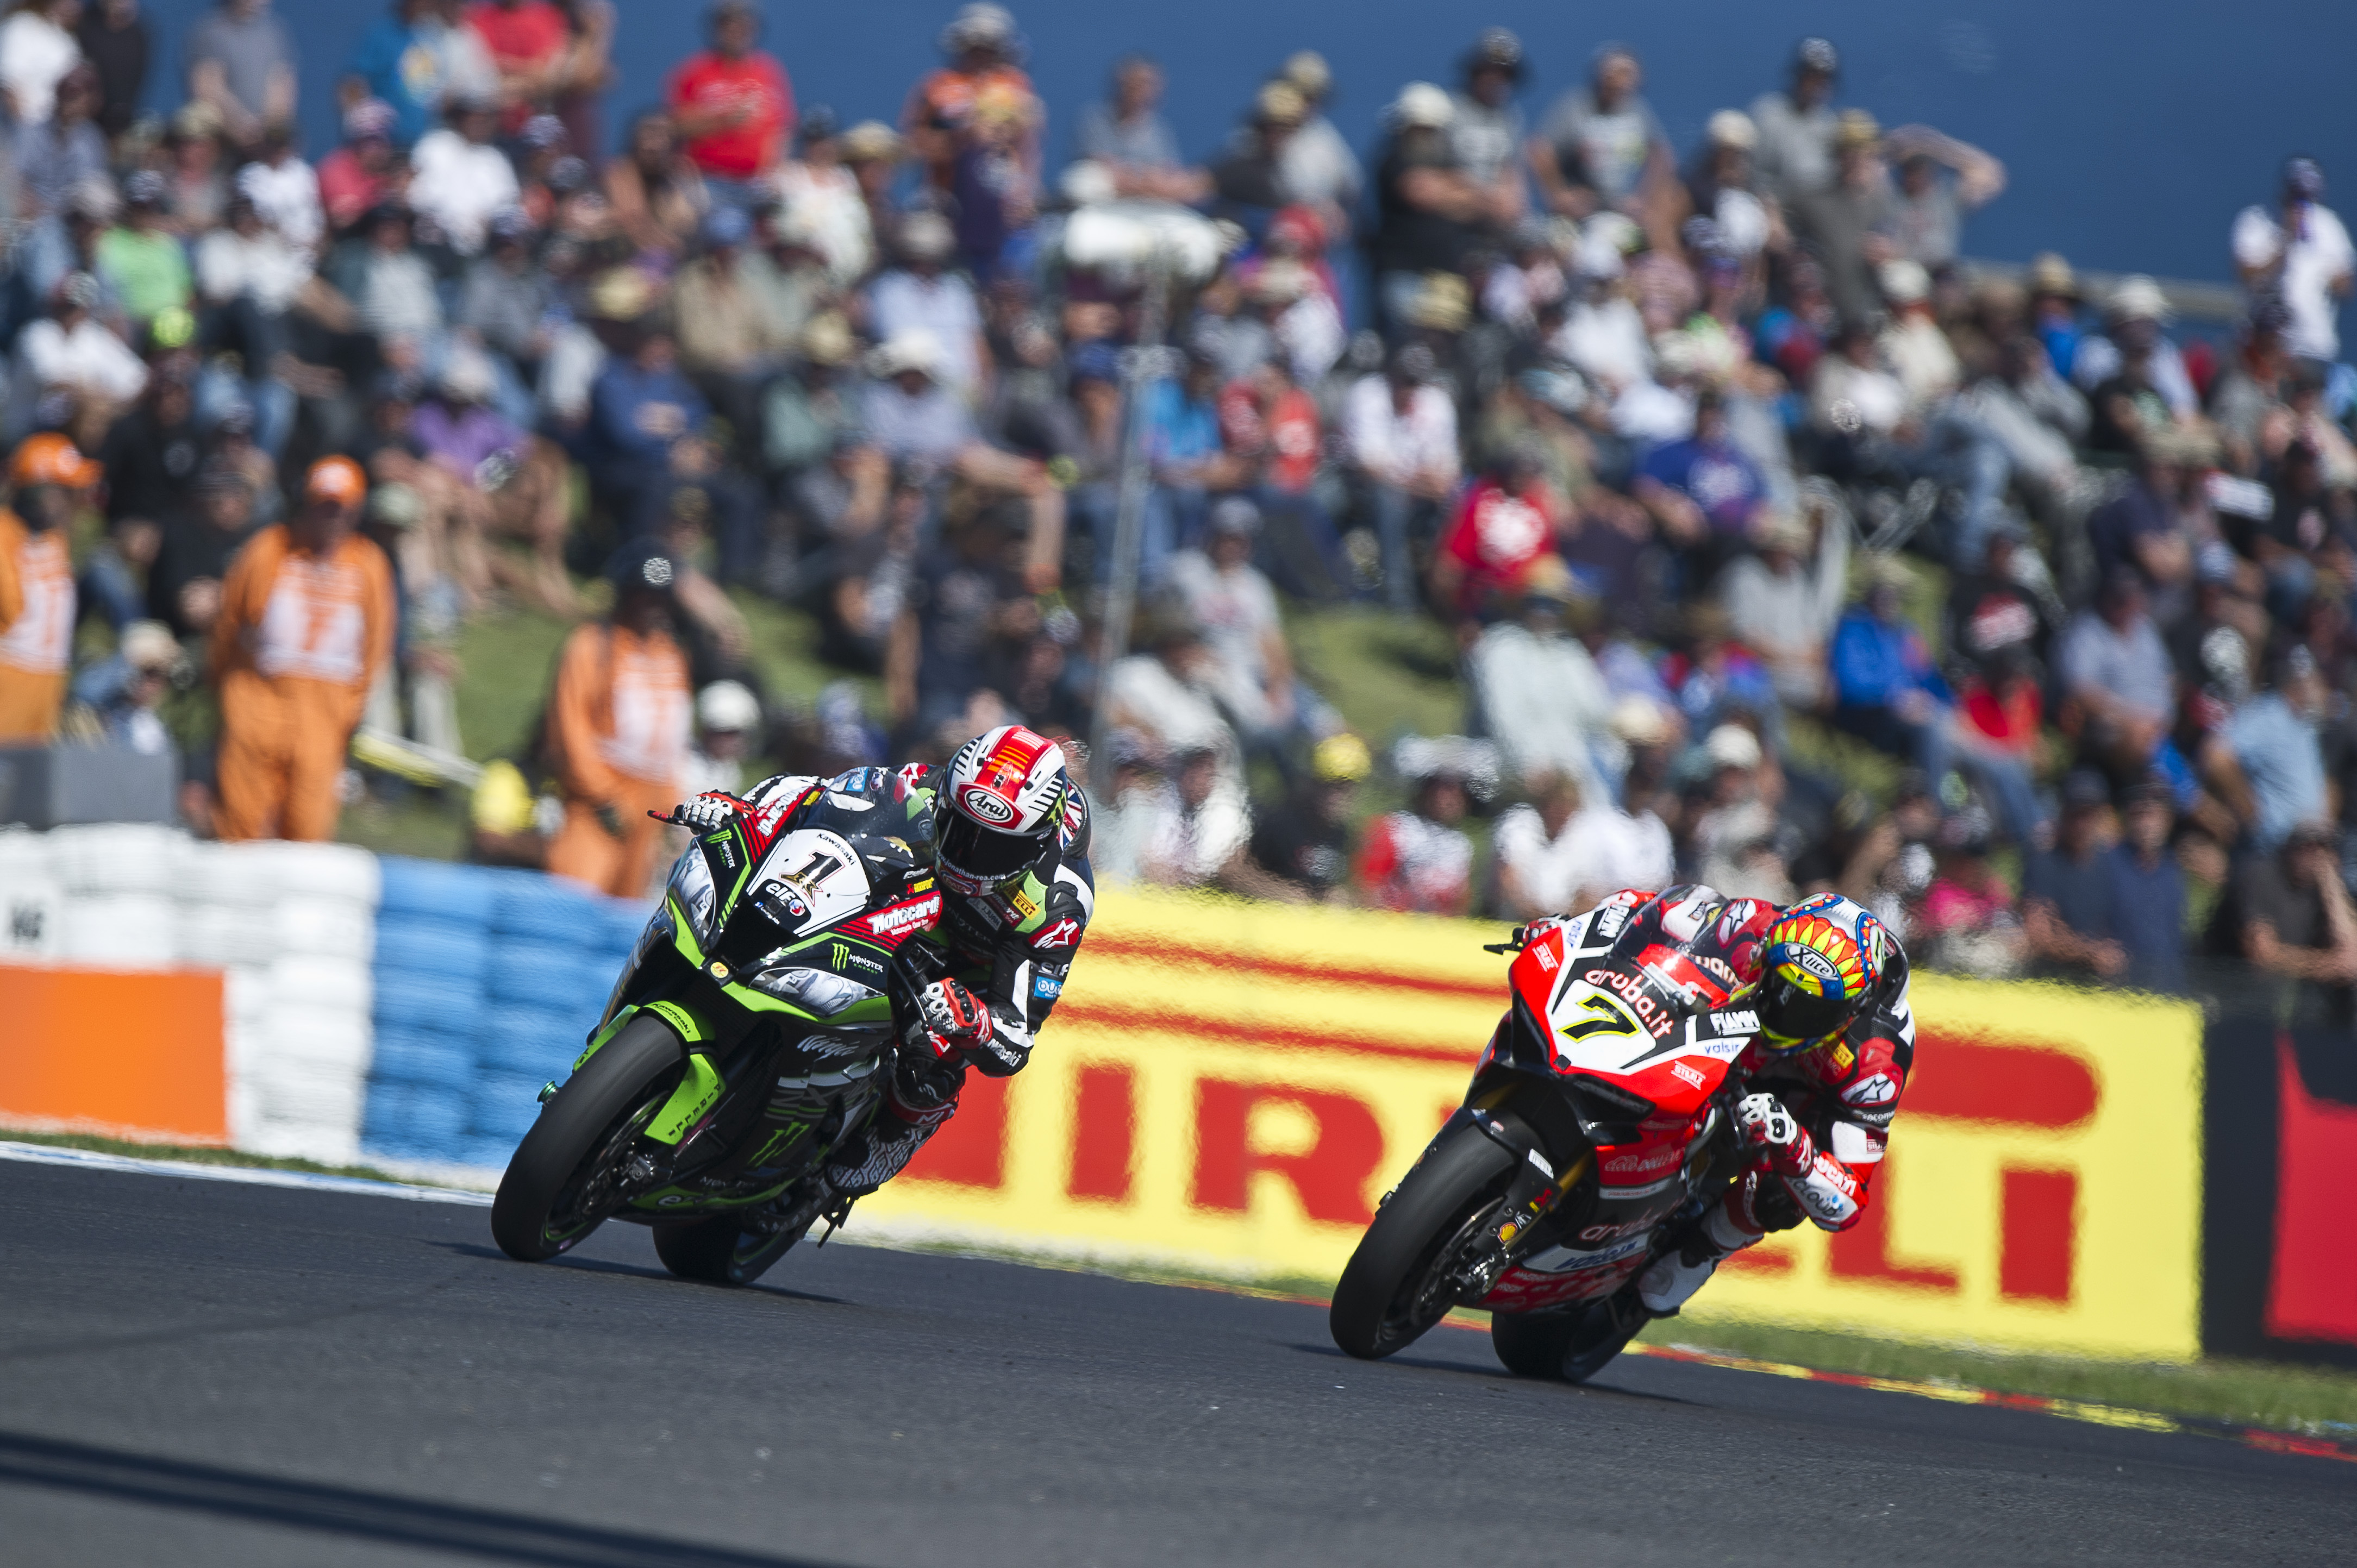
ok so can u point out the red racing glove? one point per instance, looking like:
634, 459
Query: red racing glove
952, 1017
1773, 1137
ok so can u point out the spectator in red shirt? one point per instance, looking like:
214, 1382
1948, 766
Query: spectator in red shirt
529, 44
732, 104
1506, 522
365, 172
1418, 860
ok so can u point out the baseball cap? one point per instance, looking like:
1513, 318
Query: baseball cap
2084, 787
645, 566
1420, 103
1818, 54
1235, 515
150, 645
728, 705
1342, 758
336, 479
50, 458
1732, 745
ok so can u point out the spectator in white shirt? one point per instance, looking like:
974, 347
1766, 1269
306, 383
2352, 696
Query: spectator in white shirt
1536, 691
1402, 430
2303, 258
1783, 608
920, 296
286, 191
458, 178
70, 351
36, 51
1567, 849
1231, 601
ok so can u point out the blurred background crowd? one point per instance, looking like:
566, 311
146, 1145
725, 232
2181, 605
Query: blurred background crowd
1518, 508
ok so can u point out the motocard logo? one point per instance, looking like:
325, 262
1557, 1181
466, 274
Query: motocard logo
901, 918
1063, 934
984, 806
1875, 1089
1680, 1069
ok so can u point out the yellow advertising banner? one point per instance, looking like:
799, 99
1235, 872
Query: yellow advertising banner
1232, 1087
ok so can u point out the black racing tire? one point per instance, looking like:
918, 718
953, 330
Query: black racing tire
719, 1249
1531, 1344
1569, 1346
1384, 1300
549, 1198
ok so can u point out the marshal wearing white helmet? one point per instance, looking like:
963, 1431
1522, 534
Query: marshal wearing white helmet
1010, 852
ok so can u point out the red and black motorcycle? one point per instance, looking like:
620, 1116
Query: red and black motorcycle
1599, 1124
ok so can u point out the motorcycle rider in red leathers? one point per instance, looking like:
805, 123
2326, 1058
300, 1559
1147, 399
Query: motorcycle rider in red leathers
1011, 838
1835, 1041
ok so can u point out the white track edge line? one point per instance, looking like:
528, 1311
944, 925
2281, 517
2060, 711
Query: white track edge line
249, 1176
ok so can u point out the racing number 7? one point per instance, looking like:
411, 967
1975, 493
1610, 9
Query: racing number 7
1611, 1019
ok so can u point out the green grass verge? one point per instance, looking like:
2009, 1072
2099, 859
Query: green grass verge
2251, 1393
195, 1155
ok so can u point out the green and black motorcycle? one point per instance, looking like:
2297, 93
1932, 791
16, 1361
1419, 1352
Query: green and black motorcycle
749, 1034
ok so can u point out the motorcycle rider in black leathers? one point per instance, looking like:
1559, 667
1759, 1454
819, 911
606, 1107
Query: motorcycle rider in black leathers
1010, 844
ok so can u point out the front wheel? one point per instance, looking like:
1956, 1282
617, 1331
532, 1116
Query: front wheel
1399, 1283
565, 1178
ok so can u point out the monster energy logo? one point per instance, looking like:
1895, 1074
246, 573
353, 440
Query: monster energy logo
840, 954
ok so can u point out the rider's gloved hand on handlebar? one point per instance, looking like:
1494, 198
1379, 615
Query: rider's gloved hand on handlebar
1771, 1135
704, 814
952, 1015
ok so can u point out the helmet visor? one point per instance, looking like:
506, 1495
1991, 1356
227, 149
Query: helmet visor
1792, 1017
982, 854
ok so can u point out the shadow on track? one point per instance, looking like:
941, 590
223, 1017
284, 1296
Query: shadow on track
1496, 1374
347, 1511
634, 1270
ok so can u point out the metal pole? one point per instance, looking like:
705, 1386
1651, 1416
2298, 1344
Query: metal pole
1140, 367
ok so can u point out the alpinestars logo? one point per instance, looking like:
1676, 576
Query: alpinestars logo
1063, 934
1875, 1089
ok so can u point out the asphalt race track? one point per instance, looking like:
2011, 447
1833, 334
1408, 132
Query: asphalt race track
194, 1373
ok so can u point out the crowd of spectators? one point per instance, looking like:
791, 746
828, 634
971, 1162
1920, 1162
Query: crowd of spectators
1775, 544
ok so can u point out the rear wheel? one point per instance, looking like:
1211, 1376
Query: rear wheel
723, 1249
1531, 1344
1567, 1347
565, 1178
1400, 1280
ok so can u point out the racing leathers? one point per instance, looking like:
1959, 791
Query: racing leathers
993, 967
1814, 1122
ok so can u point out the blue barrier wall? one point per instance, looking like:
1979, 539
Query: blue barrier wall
488, 982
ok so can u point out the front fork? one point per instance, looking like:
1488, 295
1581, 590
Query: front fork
1534, 1192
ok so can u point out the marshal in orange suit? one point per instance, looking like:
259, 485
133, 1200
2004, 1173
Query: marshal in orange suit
618, 731
307, 621
37, 583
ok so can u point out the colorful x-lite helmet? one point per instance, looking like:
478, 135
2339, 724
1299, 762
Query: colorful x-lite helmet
1820, 964
1006, 794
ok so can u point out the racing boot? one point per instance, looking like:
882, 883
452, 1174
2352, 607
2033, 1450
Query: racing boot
1670, 1281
